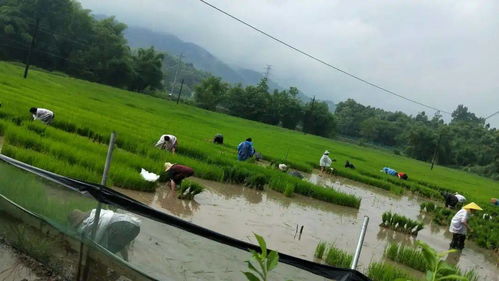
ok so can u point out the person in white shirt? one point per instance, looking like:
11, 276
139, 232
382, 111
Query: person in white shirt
460, 198
167, 142
325, 161
42, 114
459, 226
114, 232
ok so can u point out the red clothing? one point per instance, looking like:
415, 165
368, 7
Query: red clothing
179, 172
182, 170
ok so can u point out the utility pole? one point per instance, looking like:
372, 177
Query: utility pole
176, 72
180, 92
267, 71
31, 47
435, 153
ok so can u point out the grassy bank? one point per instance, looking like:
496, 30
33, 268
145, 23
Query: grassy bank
87, 112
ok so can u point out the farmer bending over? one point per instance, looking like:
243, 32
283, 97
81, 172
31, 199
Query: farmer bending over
114, 232
402, 176
42, 114
349, 165
459, 225
175, 173
218, 139
389, 171
494, 201
245, 150
167, 142
325, 161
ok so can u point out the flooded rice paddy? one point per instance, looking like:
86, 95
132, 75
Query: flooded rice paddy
239, 212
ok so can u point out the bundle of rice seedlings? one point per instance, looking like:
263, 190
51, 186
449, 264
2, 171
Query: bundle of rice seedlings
320, 250
188, 190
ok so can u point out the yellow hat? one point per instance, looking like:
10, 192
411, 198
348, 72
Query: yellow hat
168, 165
472, 206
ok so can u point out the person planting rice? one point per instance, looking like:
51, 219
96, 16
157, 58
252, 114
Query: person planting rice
402, 176
451, 200
42, 114
115, 231
167, 142
392, 172
494, 201
349, 165
175, 173
459, 225
389, 171
245, 150
325, 161
218, 139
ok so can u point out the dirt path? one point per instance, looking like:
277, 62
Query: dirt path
15, 266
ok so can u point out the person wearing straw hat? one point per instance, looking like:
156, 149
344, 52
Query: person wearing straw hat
459, 226
175, 173
494, 201
115, 231
325, 161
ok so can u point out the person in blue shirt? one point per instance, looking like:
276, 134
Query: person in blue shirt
389, 171
494, 201
245, 150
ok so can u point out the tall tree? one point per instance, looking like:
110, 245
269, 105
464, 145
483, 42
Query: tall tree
210, 92
147, 70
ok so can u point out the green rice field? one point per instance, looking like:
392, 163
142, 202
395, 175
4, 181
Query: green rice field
86, 113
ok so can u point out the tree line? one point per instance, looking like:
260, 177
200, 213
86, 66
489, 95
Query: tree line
258, 103
65, 37
466, 141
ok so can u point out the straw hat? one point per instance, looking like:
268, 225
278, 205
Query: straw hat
76, 217
168, 165
326, 152
472, 206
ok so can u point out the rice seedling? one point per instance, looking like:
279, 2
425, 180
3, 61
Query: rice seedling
320, 250
256, 181
379, 271
338, 258
400, 223
188, 189
289, 190
406, 255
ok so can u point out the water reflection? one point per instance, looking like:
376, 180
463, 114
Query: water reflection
167, 199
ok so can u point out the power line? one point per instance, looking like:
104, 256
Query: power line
322, 61
491, 115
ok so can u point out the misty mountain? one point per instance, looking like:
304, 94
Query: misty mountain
200, 58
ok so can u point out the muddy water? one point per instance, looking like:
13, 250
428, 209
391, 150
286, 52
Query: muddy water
238, 212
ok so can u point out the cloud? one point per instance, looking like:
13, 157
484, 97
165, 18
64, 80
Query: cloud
441, 53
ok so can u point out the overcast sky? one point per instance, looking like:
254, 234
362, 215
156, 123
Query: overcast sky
442, 53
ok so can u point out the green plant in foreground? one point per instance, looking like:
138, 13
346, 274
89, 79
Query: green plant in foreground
265, 261
437, 268
378, 271
320, 250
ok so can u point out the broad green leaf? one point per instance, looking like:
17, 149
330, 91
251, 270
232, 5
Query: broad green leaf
272, 260
251, 276
453, 277
429, 276
252, 267
263, 245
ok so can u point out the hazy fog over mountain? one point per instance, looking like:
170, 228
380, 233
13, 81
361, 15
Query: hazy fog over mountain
439, 53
